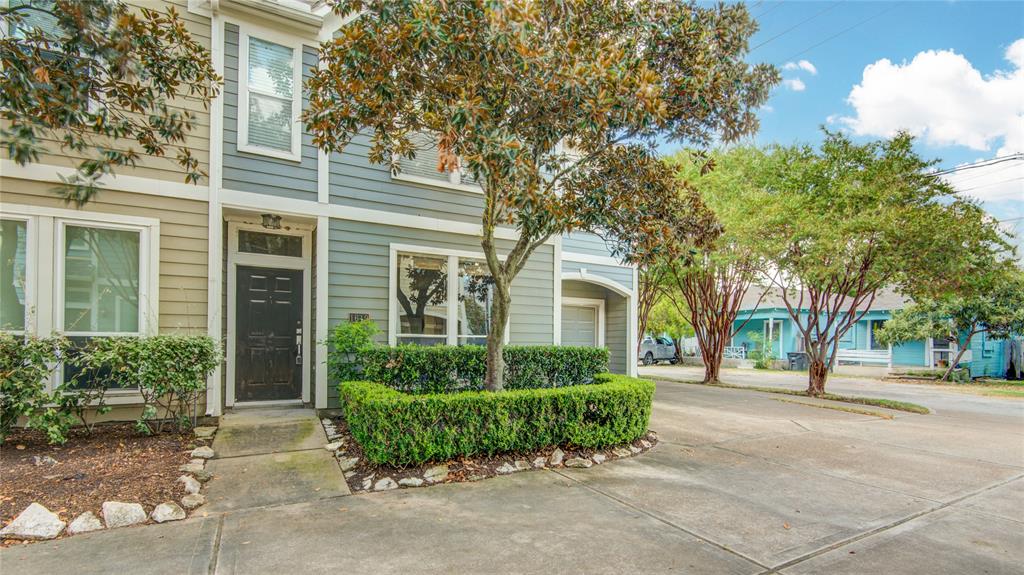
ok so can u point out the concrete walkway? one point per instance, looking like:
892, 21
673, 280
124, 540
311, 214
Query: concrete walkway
740, 483
271, 457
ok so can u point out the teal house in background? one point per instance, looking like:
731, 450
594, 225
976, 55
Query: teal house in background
859, 348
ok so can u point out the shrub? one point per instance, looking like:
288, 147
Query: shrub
402, 429
26, 363
345, 341
445, 368
168, 370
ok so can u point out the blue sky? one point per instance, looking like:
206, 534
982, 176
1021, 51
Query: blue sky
948, 78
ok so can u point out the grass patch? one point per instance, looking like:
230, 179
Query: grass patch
872, 401
844, 409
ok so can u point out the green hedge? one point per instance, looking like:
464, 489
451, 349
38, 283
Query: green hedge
446, 368
401, 429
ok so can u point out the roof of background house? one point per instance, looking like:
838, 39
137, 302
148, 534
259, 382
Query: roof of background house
886, 299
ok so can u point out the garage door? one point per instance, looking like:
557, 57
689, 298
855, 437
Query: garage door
579, 325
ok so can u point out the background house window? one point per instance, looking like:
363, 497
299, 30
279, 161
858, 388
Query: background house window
13, 288
475, 295
422, 294
873, 327
271, 101
101, 281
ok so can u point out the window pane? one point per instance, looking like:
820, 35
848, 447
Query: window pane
13, 243
38, 20
270, 68
422, 294
476, 289
272, 244
875, 325
422, 340
101, 280
425, 163
270, 122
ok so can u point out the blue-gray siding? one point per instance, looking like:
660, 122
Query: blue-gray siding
255, 172
585, 243
620, 275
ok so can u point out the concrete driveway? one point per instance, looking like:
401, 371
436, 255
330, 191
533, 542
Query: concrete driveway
740, 483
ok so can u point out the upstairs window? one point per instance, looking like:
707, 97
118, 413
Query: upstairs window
425, 168
269, 105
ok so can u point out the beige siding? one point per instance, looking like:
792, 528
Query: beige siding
183, 244
198, 141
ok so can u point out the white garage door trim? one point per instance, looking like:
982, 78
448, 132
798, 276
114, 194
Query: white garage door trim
597, 304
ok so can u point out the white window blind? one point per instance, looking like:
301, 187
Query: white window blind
271, 95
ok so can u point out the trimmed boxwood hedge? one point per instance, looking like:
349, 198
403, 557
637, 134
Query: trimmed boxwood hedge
404, 429
447, 368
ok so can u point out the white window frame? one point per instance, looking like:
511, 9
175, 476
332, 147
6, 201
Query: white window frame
31, 245
245, 32
303, 263
598, 306
454, 180
451, 336
45, 253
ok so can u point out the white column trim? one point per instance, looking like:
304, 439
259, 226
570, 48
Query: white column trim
322, 276
556, 335
632, 327
214, 243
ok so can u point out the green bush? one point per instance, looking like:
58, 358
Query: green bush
26, 363
446, 368
345, 341
403, 429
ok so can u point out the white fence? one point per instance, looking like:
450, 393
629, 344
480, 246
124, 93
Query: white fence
735, 352
872, 356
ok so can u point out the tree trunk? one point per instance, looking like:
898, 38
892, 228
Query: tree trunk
712, 356
494, 380
817, 374
959, 354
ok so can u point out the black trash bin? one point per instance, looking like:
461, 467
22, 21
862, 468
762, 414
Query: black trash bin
797, 361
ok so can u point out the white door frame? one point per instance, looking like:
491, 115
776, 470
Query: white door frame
598, 305
304, 263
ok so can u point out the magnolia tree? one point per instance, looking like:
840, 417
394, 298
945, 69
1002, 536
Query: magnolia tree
553, 107
840, 223
93, 78
992, 304
714, 277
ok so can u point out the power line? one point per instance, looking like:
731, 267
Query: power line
797, 25
840, 33
980, 164
990, 184
984, 174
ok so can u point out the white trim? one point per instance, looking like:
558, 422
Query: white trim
322, 275
596, 304
584, 276
291, 206
556, 336
245, 32
422, 181
31, 287
267, 403
632, 321
592, 259
215, 226
120, 183
236, 258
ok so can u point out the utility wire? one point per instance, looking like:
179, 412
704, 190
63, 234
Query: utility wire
797, 25
980, 164
838, 34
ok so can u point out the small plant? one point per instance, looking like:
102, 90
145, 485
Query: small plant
346, 341
763, 354
26, 363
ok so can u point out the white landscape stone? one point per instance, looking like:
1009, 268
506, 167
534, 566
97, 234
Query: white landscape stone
34, 523
436, 473
118, 514
621, 452
203, 452
645, 443
410, 482
385, 484
579, 462
190, 467
634, 449
506, 468
84, 523
193, 500
522, 465
348, 463
205, 432
540, 461
169, 511
333, 446
556, 457
598, 458
191, 485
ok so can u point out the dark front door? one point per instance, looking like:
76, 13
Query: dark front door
268, 356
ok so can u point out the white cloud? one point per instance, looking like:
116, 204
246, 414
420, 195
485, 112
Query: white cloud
801, 65
795, 84
941, 97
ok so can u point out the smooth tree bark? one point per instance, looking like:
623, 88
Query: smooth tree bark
651, 280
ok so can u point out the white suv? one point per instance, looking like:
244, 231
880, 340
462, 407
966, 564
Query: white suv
655, 349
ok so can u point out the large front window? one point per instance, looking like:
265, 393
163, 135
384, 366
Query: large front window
475, 294
873, 327
13, 288
101, 281
270, 101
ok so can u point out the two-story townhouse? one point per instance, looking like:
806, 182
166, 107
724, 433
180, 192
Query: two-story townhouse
284, 241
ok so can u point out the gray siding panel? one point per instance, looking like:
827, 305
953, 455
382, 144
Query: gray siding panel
585, 243
622, 276
355, 182
359, 275
254, 172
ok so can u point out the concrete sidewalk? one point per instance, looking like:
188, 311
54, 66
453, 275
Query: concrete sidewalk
740, 483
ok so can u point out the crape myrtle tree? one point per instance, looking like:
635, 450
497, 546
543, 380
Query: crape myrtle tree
552, 106
651, 280
711, 281
991, 304
840, 223
94, 78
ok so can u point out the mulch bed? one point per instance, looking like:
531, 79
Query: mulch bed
464, 469
114, 463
